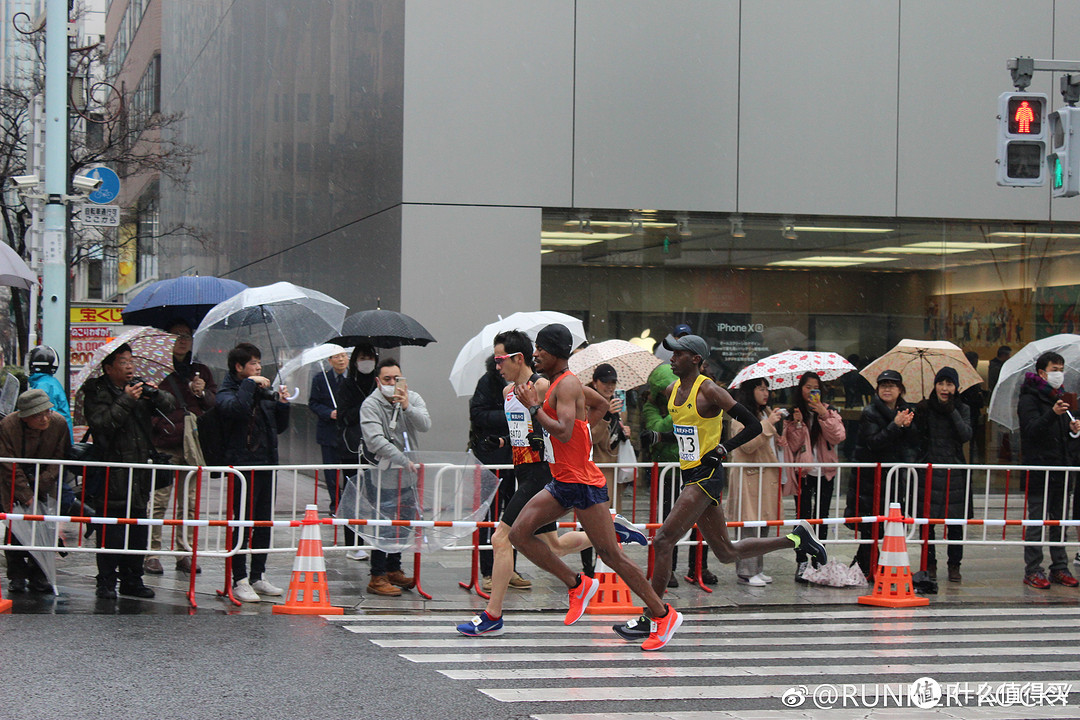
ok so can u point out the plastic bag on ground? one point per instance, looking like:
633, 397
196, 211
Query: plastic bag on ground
835, 574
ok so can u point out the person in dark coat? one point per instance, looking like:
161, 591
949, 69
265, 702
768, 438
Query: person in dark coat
323, 400
1048, 436
975, 397
489, 439
192, 386
360, 381
119, 409
943, 425
885, 436
253, 415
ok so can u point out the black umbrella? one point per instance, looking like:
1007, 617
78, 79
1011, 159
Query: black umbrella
381, 328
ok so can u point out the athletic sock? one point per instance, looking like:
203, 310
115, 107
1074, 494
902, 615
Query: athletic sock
795, 539
578, 583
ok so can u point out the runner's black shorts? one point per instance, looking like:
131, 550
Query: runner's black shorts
711, 480
576, 495
531, 479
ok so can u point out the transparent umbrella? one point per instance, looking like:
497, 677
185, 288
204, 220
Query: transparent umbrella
1007, 391
280, 319
469, 366
299, 371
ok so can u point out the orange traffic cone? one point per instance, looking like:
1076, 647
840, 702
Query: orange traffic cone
308, 592
5, 605
892, 581
613, 595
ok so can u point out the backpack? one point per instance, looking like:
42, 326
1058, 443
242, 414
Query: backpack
212, 436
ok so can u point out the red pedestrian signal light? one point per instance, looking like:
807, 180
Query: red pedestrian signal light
1022, 141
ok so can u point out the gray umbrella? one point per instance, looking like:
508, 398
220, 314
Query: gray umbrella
13, 269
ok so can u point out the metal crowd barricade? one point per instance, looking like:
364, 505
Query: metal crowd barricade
213, 518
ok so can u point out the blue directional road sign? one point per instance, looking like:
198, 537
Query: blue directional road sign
110, 186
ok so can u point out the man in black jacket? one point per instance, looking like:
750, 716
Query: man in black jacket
1048, 436
253, 415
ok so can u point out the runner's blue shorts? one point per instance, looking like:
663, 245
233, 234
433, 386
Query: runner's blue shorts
576, 495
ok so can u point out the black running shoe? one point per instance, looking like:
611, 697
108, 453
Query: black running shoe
635, 629
809, 543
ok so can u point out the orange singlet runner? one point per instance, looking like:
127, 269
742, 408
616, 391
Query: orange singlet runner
573, 460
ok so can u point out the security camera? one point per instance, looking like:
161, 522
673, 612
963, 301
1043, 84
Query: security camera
85, 183
25, 181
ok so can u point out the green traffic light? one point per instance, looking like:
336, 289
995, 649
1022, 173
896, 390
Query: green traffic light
1059, 174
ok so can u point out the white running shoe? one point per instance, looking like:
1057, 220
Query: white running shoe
265, 587
243, 592
357, 554
766, 578
754, 581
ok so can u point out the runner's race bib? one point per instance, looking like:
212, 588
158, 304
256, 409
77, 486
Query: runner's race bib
518, 420
689, 447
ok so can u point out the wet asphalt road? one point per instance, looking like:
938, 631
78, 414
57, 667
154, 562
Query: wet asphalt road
175, 665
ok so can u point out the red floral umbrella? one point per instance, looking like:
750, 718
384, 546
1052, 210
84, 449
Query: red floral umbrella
784, 369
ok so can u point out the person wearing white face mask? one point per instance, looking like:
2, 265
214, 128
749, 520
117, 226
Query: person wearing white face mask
359, 382
1050, 435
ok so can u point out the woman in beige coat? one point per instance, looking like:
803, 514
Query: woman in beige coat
755, 491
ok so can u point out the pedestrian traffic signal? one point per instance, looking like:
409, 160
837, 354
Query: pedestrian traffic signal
1021, 139
1064, 160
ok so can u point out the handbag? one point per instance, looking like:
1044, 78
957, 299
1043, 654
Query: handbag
193, 454
627, 456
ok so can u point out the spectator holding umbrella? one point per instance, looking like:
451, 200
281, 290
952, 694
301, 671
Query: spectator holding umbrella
1049, 436
756, 493
811, 436
885, 436
943, 425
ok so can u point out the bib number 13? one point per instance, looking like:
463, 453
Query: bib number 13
689, 447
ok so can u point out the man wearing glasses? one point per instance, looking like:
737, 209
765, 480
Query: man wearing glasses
192, 386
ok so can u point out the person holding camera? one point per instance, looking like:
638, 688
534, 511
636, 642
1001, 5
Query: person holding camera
1049, 435
811, 436
390, 420
119, 409
253, 415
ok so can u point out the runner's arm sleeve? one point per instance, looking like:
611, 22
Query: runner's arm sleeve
751, 428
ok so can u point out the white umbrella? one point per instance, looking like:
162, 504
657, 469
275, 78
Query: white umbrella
1007, 391
783, 370
13, 269
469, 365
918, 361
280, 319
632, 363
298, 371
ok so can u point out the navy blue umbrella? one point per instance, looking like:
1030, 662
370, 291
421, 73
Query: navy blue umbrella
186, 298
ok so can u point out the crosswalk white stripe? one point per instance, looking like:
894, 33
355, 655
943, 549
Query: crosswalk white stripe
671, 652
685, 641
751, 671
727, 615
673, 692
691, 628
945, 713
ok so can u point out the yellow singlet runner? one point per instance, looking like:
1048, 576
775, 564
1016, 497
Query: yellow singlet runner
696, 435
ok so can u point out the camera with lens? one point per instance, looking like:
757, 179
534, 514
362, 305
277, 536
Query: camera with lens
265, 393
147, 390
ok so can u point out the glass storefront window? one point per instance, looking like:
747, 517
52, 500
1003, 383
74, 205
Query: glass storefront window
754, 285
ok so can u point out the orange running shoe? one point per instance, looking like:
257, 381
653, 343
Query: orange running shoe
663, 629
580, 597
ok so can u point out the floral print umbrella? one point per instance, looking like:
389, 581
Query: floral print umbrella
151, 350
784, 369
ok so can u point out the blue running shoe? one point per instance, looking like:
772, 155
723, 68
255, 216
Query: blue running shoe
482, 624
627, 533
